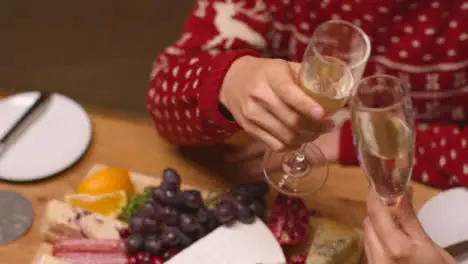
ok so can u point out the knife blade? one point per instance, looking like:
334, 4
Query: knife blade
43, 97
457, 249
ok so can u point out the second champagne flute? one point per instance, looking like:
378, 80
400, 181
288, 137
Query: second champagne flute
335, 57
382, 121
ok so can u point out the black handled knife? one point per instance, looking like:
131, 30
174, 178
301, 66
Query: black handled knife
43, 97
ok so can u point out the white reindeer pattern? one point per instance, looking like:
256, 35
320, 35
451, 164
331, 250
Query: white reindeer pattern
458, 113
459, 79
161, 64
201, 8
379, 69
230, 29
405, 78
186, 36
432, 81
431, 110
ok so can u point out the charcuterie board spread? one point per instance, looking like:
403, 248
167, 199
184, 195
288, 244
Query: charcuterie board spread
119, 217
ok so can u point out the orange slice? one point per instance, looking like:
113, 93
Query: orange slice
109, 204
107, 180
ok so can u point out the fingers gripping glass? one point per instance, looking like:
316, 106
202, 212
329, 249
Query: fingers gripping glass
335, 57
382, 121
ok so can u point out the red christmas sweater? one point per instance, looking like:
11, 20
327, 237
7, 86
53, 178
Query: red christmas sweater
424, 42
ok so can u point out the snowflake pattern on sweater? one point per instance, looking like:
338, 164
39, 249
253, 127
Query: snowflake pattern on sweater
423, 42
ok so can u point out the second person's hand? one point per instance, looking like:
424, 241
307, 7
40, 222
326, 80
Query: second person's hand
401, 240
265, 99
249, 159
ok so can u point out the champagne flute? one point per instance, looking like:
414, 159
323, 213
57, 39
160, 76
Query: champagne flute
382, 121
335, 57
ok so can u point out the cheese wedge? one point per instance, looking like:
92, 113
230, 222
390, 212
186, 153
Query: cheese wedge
236, 244
62, 221
334, 243
46, 259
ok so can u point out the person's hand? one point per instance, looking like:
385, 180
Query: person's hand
249, 159
264, 98
399, 239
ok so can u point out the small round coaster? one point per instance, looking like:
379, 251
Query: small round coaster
16, 216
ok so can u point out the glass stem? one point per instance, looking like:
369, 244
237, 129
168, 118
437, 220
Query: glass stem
301, 149
298, 164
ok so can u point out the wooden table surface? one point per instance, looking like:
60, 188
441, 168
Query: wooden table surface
133, 144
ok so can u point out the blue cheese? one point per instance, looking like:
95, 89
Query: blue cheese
334, 243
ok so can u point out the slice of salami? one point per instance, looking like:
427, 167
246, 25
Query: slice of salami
92, 258
90, 246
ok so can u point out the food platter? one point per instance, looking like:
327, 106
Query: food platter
140, 181
328, 240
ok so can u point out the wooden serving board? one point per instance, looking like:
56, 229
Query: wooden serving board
140, 181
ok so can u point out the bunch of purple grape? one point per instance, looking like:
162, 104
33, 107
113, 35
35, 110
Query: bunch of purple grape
173, 219
243, 203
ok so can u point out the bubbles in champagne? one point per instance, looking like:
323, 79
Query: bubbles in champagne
327, 76
385, 145
384, 133
328, 81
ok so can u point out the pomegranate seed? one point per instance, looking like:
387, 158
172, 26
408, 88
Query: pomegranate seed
132, 260
146, 259
157, 260
289, 220
124, 233
140, 256
170, 253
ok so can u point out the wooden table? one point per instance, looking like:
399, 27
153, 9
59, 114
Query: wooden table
133, 144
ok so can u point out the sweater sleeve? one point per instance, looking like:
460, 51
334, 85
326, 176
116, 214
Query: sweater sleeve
440, 154
182, 96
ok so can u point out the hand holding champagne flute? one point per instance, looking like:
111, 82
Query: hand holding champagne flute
334, 59
382, 120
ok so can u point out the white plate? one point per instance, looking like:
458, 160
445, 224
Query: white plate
54, 139
445, 218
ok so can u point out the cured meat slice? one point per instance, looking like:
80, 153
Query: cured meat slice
92, 258
90, 246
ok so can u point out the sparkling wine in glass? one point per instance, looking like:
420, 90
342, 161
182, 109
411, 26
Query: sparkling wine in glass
334, 59
327, 80
382, 121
